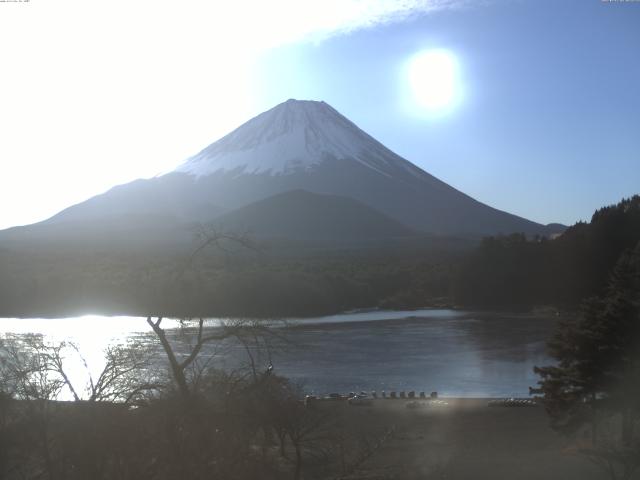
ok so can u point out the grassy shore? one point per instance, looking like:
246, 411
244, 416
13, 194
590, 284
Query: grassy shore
464, 439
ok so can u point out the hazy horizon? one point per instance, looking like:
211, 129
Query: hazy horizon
539, 126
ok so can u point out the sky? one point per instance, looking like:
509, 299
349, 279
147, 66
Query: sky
542, 120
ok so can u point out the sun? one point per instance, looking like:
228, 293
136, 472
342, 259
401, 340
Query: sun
434, 79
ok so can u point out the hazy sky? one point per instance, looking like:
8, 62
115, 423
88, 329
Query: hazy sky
545, 122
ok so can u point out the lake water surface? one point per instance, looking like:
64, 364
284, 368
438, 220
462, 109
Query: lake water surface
457, 353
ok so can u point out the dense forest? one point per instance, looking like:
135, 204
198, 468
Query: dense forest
506, 272
516, 272
218, 283
591, 391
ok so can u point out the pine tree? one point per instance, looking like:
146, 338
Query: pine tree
595, 384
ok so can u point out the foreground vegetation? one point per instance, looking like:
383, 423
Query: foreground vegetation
142, 418
593, 391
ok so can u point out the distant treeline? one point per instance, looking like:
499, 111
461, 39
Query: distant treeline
516, 272
504, 272
242, 284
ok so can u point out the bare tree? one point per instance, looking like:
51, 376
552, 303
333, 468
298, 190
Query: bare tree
127, 376
247, 333
28, 368
227, 242
51, 439
27, 374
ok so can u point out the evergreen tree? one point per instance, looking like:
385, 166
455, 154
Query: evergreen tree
596, 381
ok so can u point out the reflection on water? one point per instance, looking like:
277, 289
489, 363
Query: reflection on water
456, 353
467, 354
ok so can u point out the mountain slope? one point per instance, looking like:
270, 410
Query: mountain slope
302, 215
310, 146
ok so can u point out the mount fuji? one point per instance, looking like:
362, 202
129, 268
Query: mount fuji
339, 175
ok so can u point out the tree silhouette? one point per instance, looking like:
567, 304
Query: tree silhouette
596, 382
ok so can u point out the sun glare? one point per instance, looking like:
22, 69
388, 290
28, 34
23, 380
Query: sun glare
434, 80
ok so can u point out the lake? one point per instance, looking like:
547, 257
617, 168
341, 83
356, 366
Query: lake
457, 353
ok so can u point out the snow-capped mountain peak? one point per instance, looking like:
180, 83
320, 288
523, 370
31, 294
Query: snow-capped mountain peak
299, 146
294, 135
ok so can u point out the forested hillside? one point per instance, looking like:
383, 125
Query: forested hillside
217, 282
508, 272
513, 271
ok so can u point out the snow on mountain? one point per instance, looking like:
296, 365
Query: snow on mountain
291, 137
299, 145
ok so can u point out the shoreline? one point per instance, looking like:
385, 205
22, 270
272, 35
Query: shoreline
536, 311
